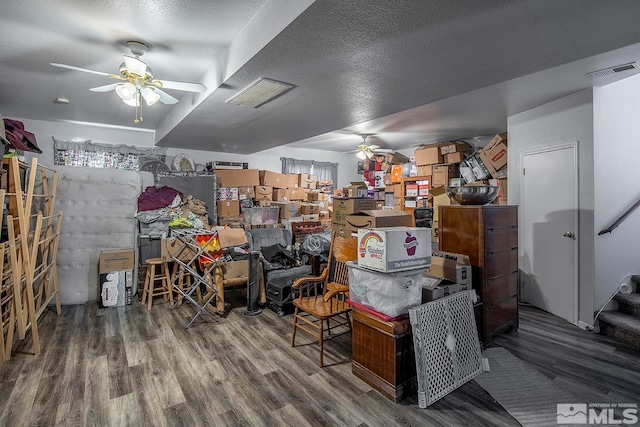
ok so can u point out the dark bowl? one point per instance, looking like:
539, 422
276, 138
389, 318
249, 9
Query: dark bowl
473, 194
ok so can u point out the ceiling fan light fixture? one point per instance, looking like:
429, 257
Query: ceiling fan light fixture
126, 91
133, 101
361, 155
150, 96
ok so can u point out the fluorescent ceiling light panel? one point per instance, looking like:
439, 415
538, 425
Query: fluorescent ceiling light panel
260, 92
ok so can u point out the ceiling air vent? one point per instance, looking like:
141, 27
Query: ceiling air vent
259, 92
613, 70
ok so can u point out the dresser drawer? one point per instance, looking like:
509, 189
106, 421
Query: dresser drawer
500, 239
500, 314
500, 263
500, 289
500, 216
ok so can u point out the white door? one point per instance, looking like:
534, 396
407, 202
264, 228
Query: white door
548, 230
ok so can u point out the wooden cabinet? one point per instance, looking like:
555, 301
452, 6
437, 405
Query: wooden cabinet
489, 235
383, 354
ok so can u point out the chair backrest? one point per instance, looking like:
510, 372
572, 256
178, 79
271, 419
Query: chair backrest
262, 237
343, 249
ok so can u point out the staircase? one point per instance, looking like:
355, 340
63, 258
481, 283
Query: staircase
624, 324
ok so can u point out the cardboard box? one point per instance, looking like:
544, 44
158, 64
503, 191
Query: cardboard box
228, 208
227, 193
423, 189
502, 198
396, 157
116, 288
315, 196
309, 209
394, 249
297, 193
294, 180
229, 237
453, 158
311, 217
454, 147
429, 155
425, 170
378, 218
307, 181
116, 277
280, 194
325, 183
440, 198
443, 173
263, 192
356, 189
235, 269
442, 290
288, 209
273, 179
496, 151
116, 260
237, 177
344, 207
411, 190
246, 193
486, 162
453, 267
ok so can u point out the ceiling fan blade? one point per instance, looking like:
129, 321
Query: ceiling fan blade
165, 98
105, 88
373, 147
135, 66
383, 150
187, 87
84, 70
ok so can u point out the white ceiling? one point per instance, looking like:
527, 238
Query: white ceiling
411, 71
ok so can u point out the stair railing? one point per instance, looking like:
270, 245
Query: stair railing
618, 221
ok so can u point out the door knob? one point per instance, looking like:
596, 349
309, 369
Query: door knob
569, 235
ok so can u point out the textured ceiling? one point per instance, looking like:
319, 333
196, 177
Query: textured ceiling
414, 71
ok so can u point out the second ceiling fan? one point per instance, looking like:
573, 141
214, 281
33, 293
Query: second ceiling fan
367, 151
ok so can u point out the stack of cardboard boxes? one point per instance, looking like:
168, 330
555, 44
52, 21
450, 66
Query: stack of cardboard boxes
252, 197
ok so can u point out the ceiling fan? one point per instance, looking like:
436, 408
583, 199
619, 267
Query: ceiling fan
136, 81
367, 151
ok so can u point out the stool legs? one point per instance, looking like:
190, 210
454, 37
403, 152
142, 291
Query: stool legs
151, 286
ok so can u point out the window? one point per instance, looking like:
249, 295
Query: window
324, 171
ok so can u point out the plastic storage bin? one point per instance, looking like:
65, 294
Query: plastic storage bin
267, 215
392, 294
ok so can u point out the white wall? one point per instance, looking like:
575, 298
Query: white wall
616, 135
267, 159
565, 120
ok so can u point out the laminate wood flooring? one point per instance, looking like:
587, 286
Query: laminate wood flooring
127, 366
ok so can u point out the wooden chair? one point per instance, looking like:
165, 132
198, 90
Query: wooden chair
321, 305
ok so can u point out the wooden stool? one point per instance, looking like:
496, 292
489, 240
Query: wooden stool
151, 288
184, 281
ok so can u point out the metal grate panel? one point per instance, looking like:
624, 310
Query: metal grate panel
446, 345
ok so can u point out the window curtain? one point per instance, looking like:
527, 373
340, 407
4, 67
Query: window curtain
322, 170
91, 154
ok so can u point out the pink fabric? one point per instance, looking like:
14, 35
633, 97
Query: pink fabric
155, 198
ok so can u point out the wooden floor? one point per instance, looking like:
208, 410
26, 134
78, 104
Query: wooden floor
129, 367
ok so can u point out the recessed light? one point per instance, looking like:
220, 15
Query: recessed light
61, 100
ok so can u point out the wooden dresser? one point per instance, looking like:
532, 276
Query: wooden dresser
489, 235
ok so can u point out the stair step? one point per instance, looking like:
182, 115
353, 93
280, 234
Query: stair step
631, 299
621, 326
629, 303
